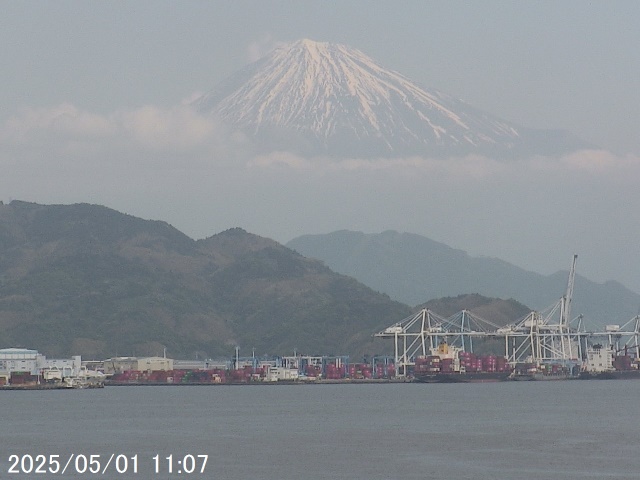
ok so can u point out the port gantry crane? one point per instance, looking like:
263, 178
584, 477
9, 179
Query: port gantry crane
540, 338
547, 336
622, 338
420, 334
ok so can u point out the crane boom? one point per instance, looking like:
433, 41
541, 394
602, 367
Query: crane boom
566, 304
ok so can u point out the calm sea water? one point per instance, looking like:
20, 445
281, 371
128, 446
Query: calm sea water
519, 430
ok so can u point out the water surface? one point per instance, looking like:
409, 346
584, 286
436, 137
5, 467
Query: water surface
511, 430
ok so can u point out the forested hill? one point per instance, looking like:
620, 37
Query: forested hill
85, 279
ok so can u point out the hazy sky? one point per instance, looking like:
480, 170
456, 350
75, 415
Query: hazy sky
93, 109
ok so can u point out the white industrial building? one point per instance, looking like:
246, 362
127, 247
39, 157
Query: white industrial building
25, 361
158, 364
20, 360
62, 367
275, 374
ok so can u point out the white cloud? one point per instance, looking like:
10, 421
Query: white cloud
68, 129
261, 47
585, 162
64, 119
176, 165
156, 128
326, 164
279, 159
598, 161
148, 127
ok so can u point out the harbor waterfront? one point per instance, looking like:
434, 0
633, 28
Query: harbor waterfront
28, 370
500, 431
428, 348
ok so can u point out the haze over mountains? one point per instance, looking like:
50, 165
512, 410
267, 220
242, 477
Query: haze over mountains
317, 98
156, 158
411, 268
85, 279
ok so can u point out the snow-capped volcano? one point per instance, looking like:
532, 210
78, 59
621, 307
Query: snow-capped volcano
322, 98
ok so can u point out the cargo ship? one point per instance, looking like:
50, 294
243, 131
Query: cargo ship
602, 363
450, 364
545, 371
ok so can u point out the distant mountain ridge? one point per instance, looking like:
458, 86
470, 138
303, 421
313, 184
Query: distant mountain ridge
414, 269
85, 279
319, 98
498, 311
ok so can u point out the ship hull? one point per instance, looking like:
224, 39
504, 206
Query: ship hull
476, 377
613, 375
540, 377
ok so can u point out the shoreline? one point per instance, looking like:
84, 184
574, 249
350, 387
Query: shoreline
347, 381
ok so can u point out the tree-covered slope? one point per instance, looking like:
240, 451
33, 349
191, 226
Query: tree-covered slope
85, 279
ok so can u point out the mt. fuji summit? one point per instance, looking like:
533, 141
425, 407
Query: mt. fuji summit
314, 98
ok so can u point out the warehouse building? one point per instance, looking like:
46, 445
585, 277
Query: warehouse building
25, 365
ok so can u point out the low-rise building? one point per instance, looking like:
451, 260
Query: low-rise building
20, 360
62, 367
144, 364
120, 364
25, 366
275, 374
155, 364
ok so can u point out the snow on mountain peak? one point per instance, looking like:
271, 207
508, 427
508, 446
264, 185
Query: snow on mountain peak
326, 98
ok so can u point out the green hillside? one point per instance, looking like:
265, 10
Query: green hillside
84, 279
